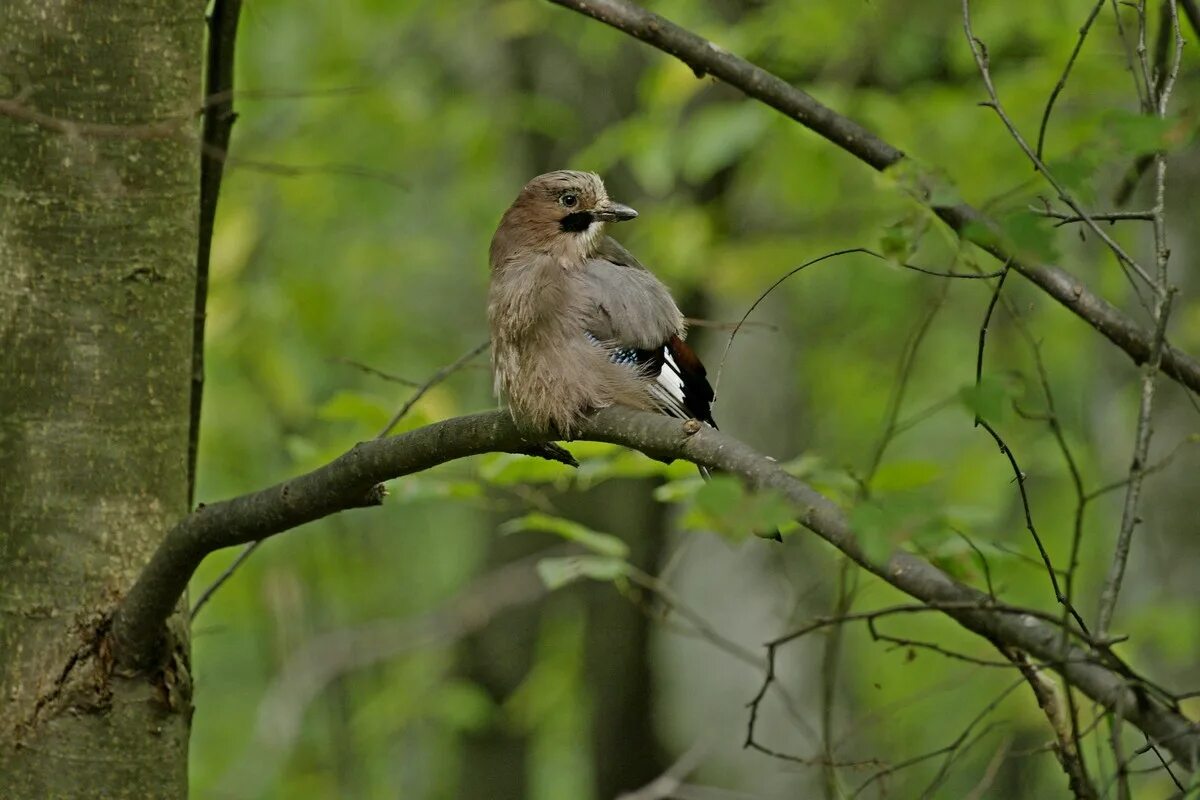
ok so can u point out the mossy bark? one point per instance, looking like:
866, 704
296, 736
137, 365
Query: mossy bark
97, 279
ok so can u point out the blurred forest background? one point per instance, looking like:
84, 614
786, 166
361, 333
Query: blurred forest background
377, 145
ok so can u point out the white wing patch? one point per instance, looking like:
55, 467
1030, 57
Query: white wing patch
668, 388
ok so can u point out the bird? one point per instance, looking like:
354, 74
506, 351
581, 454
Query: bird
577, 323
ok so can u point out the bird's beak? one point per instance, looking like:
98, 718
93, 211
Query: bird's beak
609, 211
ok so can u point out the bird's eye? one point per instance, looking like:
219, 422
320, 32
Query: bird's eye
569, 200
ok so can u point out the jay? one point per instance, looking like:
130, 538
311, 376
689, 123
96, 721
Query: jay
577, 323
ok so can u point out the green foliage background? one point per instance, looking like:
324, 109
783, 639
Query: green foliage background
377, 145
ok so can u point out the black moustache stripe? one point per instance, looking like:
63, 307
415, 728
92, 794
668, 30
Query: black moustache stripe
576, 222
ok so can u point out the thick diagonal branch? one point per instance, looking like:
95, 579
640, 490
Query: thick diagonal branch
707, 58
353, 480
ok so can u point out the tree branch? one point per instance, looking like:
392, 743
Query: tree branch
707, 58
353, 481
217, 128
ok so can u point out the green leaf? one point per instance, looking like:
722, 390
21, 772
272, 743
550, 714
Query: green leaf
899, 240
769, 511
928, 185
720, 495
1138, 134
1077, 173
603, 543
898, 476
558, 572
874, 525
718, 135
506, 469
988, 400
415, 488
364, 409
1029, 235
942, 192
678, 490
464, 705
723, 505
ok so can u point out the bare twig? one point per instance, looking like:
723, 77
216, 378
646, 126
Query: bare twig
1050, 700
990, 771
904, 369
434, 380
165, 128
547, 450
813, 262
720, 325
1121, 773
1142, 92
215, 134
378, 373
1066, 73
1081, 502
225, 575
668, 784
830, 659
979, 51
983, 331
325, 657
949, 750
1109, 216
707, 58
1162, 311
305, 170
1019, 476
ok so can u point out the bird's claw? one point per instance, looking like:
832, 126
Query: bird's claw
691, 427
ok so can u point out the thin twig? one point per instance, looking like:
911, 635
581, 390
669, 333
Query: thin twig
1066, 747
707, 58
1129, 512
165, 128
721, 325
904, 370
830, 658
1108, 216
983, 330
1066, 73
1081, 502
305, 170
948, 750
1142, 92
1019, 476
215, 134
813, 262
378, 373
434, 380
325, 657
667, 785
225, 575
422, 388
979, 50
983, 562
1059, 595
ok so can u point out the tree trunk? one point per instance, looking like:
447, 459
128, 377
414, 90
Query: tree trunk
626, 753
98, 213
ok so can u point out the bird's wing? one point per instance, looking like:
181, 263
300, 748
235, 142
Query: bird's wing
630, 312
624, 303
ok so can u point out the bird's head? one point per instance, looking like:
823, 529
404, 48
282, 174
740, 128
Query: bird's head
561, 212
